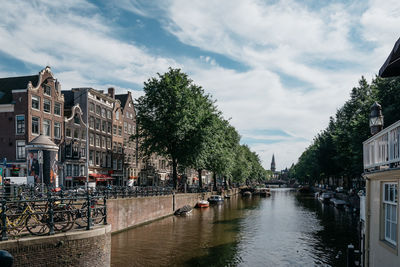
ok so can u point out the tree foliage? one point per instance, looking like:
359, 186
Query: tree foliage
176, 119
337, 151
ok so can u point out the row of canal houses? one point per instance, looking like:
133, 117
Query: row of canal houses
34, 108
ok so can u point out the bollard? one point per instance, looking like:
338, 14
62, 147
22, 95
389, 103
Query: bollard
89, 212
4, 220
105, 210
6, 259
350, 256
51, 213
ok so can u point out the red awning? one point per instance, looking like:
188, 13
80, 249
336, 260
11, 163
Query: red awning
133, 177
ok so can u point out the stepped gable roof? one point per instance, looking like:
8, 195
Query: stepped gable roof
122, 98
13, 83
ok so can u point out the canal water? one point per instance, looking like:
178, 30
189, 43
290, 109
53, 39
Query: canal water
286, 229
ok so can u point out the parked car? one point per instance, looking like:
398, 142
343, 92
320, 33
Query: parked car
339, 189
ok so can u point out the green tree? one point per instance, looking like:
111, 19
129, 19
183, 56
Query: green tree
170, 116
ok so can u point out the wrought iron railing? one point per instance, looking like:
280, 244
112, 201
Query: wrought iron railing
382, 151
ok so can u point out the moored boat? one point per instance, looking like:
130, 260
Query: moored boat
246, 194
185, 210
339, 203
203, 204
215, 199
325, 197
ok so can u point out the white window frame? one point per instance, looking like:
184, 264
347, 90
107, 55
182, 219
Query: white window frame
44, 132
59, 130
37, 98
23, 155
16, 124
54, 109
49, 101
38, 126
390, 205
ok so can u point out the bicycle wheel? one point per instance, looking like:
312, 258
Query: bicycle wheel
37, 224
62, 220
98, 215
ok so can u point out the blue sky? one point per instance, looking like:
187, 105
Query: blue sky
278, 68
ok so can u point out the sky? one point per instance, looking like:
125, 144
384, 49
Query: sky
277, 68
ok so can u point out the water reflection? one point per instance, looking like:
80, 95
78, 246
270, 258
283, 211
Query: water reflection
283, 230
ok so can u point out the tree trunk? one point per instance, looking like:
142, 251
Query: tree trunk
199, 171
215, 180
174, 173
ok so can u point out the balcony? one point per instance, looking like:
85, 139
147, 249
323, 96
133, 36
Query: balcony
381, 151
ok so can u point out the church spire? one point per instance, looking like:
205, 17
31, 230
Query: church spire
273, 163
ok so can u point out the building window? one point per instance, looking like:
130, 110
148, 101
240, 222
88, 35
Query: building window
119, 130
108, 143
120, 164
68, 151
57, 130
125, 127
108, 114
83, 152
57, 108
119, 148
83, 135
20, 149
47, 90
97, 141
76, 170
104, 160
97, 124
103, 112
69, 170
35, 125
115, 164
36, 102
108, 161
390, 212
47, 105
129, 128
97, 158
115, 147
98, 110
76, 134
117, 115
47, 127
109, 127
82, 172
91, 158
20, 121
103, 126
68, 132
76, 119
103, 142
114, 129
91, 122
91, 139
91, 107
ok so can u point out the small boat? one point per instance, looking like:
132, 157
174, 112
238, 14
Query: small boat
185, 210
304, 189
264, 192
246, 194
215, 199
203, 204
325, 197
339, 203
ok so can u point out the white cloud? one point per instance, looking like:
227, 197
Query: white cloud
272, 39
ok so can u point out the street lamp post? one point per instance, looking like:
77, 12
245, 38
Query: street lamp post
376, 118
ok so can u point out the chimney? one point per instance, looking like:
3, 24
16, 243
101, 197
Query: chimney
111, 92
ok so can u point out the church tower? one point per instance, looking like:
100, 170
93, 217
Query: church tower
273, 163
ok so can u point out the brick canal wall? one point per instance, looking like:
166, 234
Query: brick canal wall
78, 248
124, 213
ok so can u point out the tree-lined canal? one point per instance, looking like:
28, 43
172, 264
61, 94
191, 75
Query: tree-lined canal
285, 229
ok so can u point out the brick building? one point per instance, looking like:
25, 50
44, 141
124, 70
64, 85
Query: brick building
97, 108
73, 149
117, 140
29, 106
130, 146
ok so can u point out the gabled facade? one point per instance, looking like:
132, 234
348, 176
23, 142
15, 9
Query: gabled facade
29, 106
73, 149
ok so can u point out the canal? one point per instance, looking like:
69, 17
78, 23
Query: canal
286, 229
